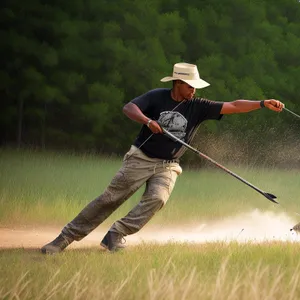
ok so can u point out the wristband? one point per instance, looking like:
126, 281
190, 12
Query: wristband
148, 123
262, 103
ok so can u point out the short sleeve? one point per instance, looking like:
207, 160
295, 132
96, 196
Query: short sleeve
212, 109
143, 102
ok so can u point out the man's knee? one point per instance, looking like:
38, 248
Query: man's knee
158, 201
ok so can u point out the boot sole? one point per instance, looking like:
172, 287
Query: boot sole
104, 245
112, 250
50, 250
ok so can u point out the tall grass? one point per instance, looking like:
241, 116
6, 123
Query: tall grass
51, 188
173, 271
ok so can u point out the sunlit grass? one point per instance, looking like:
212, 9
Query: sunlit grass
172, 271
51, 188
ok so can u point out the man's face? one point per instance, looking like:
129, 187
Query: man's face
185, 90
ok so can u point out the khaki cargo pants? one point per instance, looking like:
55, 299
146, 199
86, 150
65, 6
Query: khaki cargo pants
137, 169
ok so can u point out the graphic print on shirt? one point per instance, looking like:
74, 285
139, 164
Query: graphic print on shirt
174, 122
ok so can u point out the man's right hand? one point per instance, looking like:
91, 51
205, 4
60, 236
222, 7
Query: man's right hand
154, 127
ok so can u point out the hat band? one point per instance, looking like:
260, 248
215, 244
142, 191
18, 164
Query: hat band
186, 76
181, 73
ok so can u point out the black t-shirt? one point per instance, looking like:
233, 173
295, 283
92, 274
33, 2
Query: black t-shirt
179, 118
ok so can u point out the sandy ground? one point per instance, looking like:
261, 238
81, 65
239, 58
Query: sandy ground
254, 226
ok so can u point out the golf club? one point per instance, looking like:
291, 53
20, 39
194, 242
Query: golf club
269, 196
291, 112
296, 228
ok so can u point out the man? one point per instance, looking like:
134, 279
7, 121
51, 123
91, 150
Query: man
154, 158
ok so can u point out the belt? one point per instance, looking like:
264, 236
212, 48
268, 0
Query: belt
171, 161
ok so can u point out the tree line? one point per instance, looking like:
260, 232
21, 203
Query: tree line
68, 67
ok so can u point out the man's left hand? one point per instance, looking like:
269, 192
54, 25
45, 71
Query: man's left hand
274, 105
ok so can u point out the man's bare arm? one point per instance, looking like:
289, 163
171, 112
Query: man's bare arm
133, 112
242, 106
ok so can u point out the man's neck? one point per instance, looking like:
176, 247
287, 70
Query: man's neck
176, 96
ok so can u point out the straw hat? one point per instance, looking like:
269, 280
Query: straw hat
187, 73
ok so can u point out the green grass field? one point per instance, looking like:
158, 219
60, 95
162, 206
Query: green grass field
49, 189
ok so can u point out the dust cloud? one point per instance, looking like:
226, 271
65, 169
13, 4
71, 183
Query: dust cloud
255, 226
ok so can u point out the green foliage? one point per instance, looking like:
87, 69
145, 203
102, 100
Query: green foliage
70, 66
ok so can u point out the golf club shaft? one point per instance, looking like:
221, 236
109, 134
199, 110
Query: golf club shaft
291, 112
267, 195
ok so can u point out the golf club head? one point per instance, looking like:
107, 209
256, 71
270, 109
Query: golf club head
271, 197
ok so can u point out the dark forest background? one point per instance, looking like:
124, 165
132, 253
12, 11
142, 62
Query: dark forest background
68, 67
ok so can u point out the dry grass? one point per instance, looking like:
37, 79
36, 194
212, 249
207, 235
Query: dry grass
165, 283
46, 189
152, 272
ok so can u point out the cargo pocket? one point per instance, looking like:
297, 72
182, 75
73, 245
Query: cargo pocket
119, 182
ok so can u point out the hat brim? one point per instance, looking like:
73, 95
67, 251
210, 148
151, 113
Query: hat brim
197, 84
